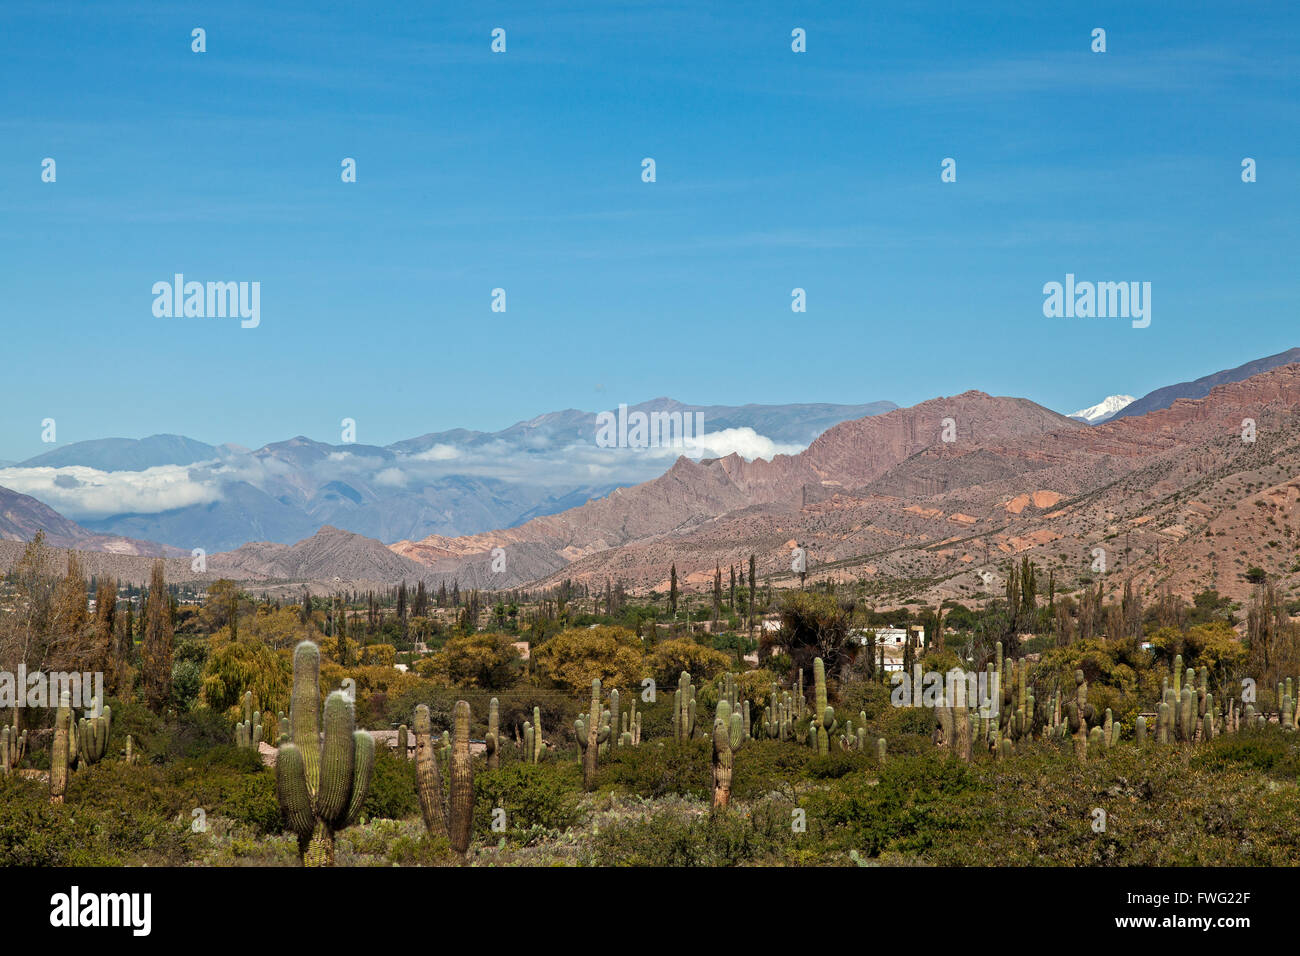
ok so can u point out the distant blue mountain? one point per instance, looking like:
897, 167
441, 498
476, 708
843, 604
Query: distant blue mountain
1199, 388
450, 483
127, 454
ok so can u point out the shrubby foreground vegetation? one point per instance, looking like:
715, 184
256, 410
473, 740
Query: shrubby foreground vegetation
1105, 752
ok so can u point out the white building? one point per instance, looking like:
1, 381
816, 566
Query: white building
888, 636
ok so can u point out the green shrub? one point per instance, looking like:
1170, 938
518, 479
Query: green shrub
680, 838
533, 795
392, 793
655, 769
34, 832
1269, 749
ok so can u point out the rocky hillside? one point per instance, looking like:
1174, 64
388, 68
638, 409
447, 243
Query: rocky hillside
1175, 497
692, 497
22, 516
1199, 388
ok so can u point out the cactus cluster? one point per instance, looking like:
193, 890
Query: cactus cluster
248, 732
729, 690
631, 729
779, 715
12, 747
1187, 710
534, 745
855, 740
1017, 712
321, 779
92, 734
452, 814
1078, 713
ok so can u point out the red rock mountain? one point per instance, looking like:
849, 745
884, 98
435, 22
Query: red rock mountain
691, 495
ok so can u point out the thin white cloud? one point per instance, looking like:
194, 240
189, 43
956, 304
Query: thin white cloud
80, 492
438, 453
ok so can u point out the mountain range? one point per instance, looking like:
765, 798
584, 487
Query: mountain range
1185, 496
1104, 410
187, 494
933, 499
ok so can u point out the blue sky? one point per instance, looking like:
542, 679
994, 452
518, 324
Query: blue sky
522, 170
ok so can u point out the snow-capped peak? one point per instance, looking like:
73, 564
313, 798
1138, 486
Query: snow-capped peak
1103, 410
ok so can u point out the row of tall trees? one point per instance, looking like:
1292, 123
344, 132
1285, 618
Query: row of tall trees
47, 625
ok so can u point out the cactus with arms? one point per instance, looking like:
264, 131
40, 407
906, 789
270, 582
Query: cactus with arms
92, 735
322, 783
534, 745
728, 737
592, 730
823, 713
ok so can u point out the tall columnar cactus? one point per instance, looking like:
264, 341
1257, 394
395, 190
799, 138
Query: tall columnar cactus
823, 713
403, 741
961, 726
492, 741
248, 732
322, 780
684, 708
944, 727
92, 735
613, 721
1140, 730
631, 729
592, 729
428, 781
59, 750
130, 750
1078, 713
1187, 716
460, 785
728, 737
881, 750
